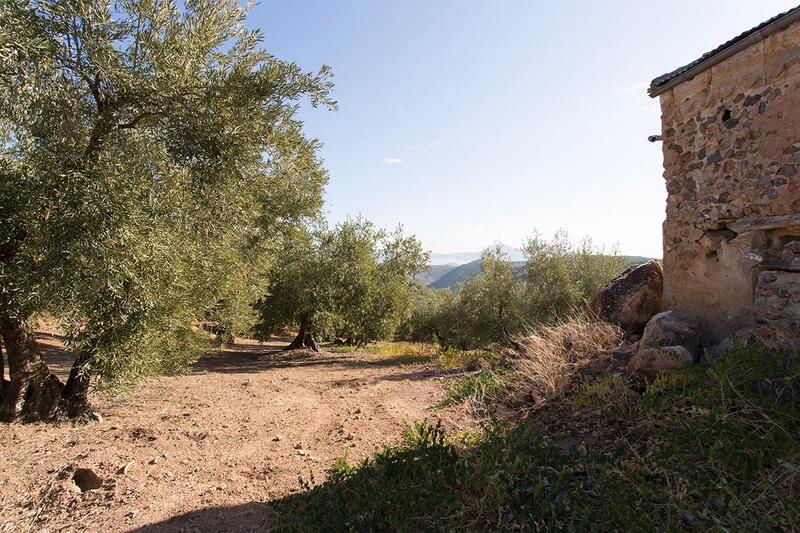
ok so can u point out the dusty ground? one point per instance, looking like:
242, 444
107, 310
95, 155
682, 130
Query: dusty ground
209, 450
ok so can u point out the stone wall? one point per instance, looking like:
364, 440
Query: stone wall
731, 143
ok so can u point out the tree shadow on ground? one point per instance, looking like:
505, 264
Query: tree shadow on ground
250, 357
244, 360
422, 487
245, 518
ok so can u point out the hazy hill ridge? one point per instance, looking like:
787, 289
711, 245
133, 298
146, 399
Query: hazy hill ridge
461, 273
434, 273
462, 258
451, 276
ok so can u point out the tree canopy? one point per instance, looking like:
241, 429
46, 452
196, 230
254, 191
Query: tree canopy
352, 282
151, 162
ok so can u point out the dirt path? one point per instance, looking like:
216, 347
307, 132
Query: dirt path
239, 431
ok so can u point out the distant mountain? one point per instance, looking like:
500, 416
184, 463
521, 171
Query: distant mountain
631, 260
453, 276
433, 273
462, 273
462, 258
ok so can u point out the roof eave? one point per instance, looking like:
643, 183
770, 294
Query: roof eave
755, 37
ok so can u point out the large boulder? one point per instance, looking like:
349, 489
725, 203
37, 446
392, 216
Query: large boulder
672, 329
650, 362
632, 298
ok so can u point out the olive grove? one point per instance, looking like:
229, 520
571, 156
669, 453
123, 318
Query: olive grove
501, 304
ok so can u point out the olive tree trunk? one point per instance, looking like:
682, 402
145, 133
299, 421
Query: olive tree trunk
3, 382
75, 398
305, 338
33, 393
441, 340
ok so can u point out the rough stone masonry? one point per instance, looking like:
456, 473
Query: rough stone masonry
731, 145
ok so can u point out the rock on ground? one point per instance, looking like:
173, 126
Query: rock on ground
650, 362
632, 298
672, 329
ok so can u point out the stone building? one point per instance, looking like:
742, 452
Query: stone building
731, 145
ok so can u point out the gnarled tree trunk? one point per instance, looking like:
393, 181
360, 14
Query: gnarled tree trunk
33, 393
75, 399
305, 338
441, 340
3, 382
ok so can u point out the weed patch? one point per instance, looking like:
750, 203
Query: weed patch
717, 447
477, 388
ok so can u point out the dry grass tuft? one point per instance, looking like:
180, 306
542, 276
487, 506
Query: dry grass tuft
547, 361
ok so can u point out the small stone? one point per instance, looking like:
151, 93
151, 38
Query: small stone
69, 486
474, 365
763, 182
650, 362
86, 479
670, 329
791, 251
622, 356
349, 436
298, 446
277, 438
96, 416
768, 277
126, 468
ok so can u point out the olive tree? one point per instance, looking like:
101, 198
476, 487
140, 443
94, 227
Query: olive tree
430, 317
486, 309
352, 282
500, 304
563, 276
490, 304
150, 162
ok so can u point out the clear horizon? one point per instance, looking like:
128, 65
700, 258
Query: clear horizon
471, 124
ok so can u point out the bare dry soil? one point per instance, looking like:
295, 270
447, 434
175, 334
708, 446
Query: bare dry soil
209, 450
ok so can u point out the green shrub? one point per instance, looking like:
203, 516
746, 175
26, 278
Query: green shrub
497, 306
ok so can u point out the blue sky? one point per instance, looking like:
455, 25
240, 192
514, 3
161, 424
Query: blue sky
472, 122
